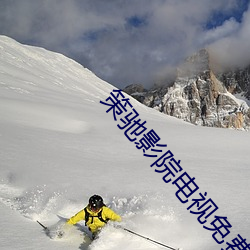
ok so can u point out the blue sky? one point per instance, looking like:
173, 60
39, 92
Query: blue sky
218, 17
131, 41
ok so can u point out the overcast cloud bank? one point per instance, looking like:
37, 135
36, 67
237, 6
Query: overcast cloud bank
135, 41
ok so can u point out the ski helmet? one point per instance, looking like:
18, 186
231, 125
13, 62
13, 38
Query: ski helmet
96, 202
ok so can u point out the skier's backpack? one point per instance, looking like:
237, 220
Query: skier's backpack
88, 216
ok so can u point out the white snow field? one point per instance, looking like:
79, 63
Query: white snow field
58, 146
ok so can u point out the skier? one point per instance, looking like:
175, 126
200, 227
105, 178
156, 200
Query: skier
95, 214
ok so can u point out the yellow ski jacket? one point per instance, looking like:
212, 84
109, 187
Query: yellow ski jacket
94, 223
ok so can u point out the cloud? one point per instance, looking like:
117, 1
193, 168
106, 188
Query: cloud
228, 28
126, 42
233, 49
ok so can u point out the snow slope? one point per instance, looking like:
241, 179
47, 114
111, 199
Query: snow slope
59, 146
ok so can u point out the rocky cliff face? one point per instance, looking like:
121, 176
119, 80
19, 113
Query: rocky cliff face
237, 81
200, 96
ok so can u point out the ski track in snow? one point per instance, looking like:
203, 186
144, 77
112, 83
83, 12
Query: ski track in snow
139, 214
38, 204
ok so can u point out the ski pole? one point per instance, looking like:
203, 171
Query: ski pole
45, 228
146, 238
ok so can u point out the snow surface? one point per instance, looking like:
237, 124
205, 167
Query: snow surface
59, 146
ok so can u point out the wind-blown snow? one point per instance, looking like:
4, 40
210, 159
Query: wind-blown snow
59, 146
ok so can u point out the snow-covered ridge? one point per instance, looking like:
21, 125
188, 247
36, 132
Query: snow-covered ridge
33, 74
48, 67
59, 146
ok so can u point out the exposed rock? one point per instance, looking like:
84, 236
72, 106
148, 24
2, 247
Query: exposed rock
201, 97
137, 91
134, 88
237, 81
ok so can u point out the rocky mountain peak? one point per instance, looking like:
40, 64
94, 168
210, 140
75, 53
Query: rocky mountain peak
196, 64
200, 96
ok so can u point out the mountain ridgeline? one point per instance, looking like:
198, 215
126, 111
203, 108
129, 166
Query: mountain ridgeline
201, 94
